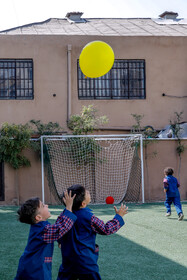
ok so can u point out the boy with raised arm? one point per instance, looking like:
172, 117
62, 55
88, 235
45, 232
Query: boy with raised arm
78, 248
36, 260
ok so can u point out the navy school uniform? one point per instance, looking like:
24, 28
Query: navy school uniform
36, 261
172, 194
78, 248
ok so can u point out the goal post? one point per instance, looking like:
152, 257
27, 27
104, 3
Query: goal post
106, 165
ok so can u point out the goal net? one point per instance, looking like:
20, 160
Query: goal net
104, 165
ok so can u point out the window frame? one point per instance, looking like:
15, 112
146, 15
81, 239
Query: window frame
92, 84
20, 83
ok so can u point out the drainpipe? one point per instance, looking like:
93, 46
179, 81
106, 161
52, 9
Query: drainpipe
68, 82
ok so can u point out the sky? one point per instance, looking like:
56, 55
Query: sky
20, 12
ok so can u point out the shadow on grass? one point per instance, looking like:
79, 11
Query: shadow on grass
121, 259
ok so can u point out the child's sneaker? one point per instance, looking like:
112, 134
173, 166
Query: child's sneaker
181, 216
168, 214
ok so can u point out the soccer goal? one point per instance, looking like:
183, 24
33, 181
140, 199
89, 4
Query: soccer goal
106, 165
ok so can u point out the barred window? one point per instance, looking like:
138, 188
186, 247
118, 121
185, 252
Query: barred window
126, 80
16, 79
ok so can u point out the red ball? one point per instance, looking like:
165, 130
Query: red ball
109, 200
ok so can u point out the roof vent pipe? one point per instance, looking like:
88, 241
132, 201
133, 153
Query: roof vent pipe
75, 17
169, 15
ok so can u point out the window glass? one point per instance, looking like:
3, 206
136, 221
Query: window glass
16, 79
126, 80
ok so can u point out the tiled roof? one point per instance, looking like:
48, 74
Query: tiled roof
104, 27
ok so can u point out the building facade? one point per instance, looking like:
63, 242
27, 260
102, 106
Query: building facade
40, 77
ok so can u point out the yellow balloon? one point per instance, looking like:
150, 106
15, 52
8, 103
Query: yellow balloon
96, 59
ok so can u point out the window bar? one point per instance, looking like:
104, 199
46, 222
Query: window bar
128, 93
15, 75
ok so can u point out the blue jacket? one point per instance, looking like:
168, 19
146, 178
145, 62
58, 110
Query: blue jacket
36, 261
78, 248
172, 189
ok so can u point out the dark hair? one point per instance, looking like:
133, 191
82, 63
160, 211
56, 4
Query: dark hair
28, 211
80, 195
168, 171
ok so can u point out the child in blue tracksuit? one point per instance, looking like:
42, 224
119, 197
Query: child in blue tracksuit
78, 248
36, 261
171, 186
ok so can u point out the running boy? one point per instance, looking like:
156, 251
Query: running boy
78, 248
171, 186
36, 261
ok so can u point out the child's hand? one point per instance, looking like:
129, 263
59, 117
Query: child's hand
123, 210
68, 200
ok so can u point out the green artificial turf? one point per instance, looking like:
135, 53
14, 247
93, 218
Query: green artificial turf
149, 246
